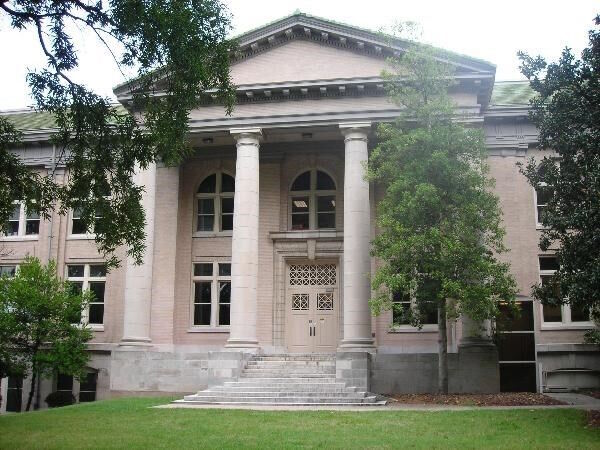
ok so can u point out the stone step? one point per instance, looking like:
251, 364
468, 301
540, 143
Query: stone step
268, 393
278, 400
270, 375
273, 373
251, 403
291, 364
281, 387
258, 380
295, 357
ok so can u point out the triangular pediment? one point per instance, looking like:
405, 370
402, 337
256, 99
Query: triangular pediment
303, 60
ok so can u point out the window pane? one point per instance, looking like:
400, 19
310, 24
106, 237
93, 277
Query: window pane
579, 314
206, 223
8, 271
302, 183
224, 269
300, 204
429, 314
89, 382
549, 280
300, 221
78, 227
401, 313
77, 286
97, 270
549, 263
552, 313
33, 215
64, 382
227, 183
522, 321
227, 222
12, 228
544, 194
326, 220
96, 315
202, 314
75, 271
206, 206
14, 215
324, 182
87, 397
227, 205
208, 186
97, 287
32, 226
203, 270
202, 292
516, 347
224, 302
326, 203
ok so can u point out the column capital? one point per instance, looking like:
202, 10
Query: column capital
353, 127
242, 133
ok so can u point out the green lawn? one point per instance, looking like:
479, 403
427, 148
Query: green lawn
130, 423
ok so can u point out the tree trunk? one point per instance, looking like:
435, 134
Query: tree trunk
1, 393
442, 349
33, 378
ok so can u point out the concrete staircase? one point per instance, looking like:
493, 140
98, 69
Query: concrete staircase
285, 380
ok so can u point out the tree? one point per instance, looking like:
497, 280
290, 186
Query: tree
180, 51
566, 111
40, 333
439, 223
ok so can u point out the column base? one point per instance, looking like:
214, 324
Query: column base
241, 344
135, 342
359, 344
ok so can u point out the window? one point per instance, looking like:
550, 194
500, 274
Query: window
90, 277
77, 225
312, 201
64, 383
87, 387
542, 197
14, 394
8, 271
405, 306
564, 314
22, 222
214, 203
212, 294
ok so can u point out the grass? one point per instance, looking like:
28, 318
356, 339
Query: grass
130, 423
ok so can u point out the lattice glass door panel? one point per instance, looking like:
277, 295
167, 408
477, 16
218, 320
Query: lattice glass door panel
325, 301
313, 275
300, 302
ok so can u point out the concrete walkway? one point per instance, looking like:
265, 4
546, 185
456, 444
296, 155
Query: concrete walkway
388, 408
581, 400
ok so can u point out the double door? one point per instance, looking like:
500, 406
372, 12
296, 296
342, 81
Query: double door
312, 325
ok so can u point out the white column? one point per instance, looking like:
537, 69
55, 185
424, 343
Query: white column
357, 239
244, 243
138, 278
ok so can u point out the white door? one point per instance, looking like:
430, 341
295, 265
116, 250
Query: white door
312, 308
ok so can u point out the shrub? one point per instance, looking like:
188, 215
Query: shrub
58, 399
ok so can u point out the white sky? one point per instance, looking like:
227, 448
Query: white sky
490, 30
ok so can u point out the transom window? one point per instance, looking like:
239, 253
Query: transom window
22, 222
312, 201
564, 314
212, 294
214, 203
90, 277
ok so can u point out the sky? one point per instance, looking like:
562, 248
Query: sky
490, 30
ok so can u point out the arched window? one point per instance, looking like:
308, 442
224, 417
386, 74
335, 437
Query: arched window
214, 203
312, 201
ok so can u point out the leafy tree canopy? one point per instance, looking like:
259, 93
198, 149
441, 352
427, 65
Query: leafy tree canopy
179, 50
440, 224
40, 332
566, 111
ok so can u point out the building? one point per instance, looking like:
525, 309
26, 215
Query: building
285, 271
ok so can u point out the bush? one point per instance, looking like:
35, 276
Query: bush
57, 399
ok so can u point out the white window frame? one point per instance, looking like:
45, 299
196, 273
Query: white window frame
14, 266
85, 280
395, 328
214, 279
313, 194
21, 231
538, 224
87, 235
565, 308
217, 197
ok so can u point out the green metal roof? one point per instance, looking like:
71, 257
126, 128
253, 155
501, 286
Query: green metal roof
30, 120
512, 93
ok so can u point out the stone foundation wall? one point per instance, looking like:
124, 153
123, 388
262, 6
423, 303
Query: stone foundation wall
135, 371
472, 370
